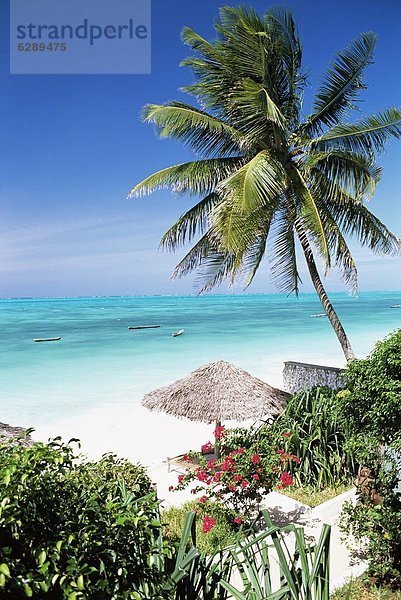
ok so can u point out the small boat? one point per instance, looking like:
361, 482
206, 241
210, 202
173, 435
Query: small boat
145, 327
396, 306
319, 315
177, 333
57, 339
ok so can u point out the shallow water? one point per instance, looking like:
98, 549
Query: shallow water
99, 362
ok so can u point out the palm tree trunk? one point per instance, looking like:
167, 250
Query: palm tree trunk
323, 297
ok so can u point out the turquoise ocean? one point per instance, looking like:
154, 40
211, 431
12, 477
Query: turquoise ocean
100, 363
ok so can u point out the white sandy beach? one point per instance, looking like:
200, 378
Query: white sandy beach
131, 431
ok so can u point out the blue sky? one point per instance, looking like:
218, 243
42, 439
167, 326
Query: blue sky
73, 146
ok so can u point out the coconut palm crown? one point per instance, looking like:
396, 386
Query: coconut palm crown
271, 179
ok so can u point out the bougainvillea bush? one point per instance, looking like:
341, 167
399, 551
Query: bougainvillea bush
238, 479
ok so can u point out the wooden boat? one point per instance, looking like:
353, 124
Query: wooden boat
177, 333
145, 327
47, 339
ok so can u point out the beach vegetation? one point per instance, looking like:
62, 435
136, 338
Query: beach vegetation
74, 529
365, 589
313, 496
238, 478
312, 429
273, 180
371, 402
208, 541
374, 522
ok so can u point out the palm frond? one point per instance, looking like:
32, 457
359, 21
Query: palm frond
191, 223
214, 270
355, 219
354, 173
197, 177
282, 251
308, 212
252, 110
339, 250
281, 26
366, 137
341, 84
255, 184
193, 259
202, 132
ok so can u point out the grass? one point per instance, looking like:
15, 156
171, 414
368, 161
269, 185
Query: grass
311, 496
364, 589
223, 533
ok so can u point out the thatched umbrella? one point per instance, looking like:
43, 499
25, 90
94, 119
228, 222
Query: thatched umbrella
217, 392
17, 434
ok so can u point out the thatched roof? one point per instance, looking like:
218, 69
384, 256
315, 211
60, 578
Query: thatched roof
19, 433
218, 391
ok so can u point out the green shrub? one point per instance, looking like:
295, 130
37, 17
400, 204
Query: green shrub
371, 404
73, 529
237, 479
317, 434
377, 527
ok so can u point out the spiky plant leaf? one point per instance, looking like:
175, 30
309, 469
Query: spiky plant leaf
342, 83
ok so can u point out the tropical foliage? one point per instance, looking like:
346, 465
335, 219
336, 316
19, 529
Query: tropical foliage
376, 525
312, 429
371, 404
238, 479
304, 570
72, 529
270, 177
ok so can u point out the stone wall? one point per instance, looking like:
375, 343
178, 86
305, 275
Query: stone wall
302, 376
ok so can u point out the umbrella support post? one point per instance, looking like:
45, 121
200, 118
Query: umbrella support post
216, 443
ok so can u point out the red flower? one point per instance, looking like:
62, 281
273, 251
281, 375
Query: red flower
211, 463
287, 434
238, 520
171, 488
237, 478
217, 476
187, 458
219, 432
256, 477
231, 487
238, 451
208, 524
244, 484
206, 448
255, 459
286, 479
180, 479
228, 464
203, 499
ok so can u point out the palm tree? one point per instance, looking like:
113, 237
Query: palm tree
273, 182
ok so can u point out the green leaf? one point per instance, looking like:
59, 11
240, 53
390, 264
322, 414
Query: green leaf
342, 83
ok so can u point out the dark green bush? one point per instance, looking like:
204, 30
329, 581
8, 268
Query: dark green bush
377, 526
371, 404
73, 529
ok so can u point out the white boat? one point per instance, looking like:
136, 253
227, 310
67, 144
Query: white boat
396, 306
177, 333
319, 315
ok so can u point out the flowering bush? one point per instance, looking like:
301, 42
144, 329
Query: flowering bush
238, 479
